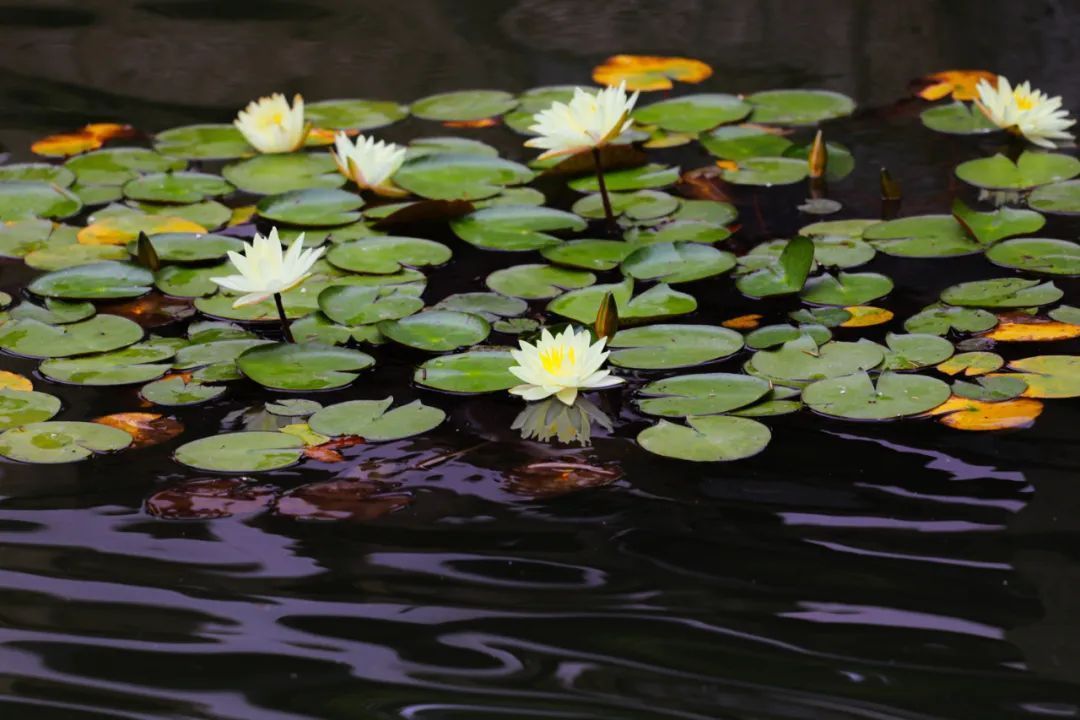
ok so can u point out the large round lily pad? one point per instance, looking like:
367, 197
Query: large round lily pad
464, 105
693, 113
846, 288
1046, 256
922, 236
60, 442
455, 176
1030, 170
101, 333
315, 207
589, 254
652, 175
355, 114
767, 171
487, 305
1002, 293
475, 371
20, 407
701, 394
95, 281
665, 347
357, 305
802, 360
715, 438
387, 254
116, 166
134, 364
856, 397
26, 200
514, 227
193, 247
284, 172
677, 262
537, 282
371, 420
177, 187
437, 330
37, 172
741, 142
242, 452
798, 107
308, 366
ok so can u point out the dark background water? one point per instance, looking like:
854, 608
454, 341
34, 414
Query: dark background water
850, 571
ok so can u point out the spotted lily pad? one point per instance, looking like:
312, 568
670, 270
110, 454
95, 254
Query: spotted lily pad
371, 420
453, 176
640, 178
95, 281
475, 371
202, 142
1060, 198
308, 366
20, 407
1002, 293
714, 438
60, 442
589, 254
27, 200
357, 305
677, 262
354, 114
660, 301
437, 330
315, 207
284, 172
101, 333
464, 105
242, 452
1046, 256
702, 394
857, 397
798, 107
514, 227
666, 347
693, 113
1030, 170
846, 288
915, 350
537, 282
940, 319
386, 254
177, 187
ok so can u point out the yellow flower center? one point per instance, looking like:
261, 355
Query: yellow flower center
1023, 102
271, 119
555, 358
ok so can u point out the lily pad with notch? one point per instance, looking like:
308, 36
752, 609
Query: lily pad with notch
242, 452
464, 105
94, 281
117, 166
192, 247
784, 277
1045, 256
177, 187
588, 254
1030, 170
675, 263
308, 366
922, 236
846, 289
177, 392
537, 282
515, 227
21, 407
667, 347
374, 421
990, 389
387, 254
471, 372
137, 363
857, 397
915, 350
713, 438
29, 200
488, 305
437, 330
801, 360
101, 333
202, 142
658, 302
314, 207
693, 113
940, 319
284, 172
54, 442
645, 177
957, 118
354, 114
798, 107
357, 305
1060, 198
454, 176
1002, 293
701, 394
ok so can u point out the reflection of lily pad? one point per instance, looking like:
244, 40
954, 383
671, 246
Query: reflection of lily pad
475, 371
715, 438
242, 452
702, 394
309, 366
664, 347
588, 254
61, 442
370, 420
856, 397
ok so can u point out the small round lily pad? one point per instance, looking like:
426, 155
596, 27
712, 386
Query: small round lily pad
374, 421
464, 105
177, 187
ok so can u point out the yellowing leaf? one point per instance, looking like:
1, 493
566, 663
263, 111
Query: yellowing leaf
121, 230
146, 428
14, 381
963, 414
649, 72
241, 215
1021, 328
481, 123
743, 322
90, 137
727, 165
971, 363
961, 84
866, 316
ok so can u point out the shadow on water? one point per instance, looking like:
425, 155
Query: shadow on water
851, 571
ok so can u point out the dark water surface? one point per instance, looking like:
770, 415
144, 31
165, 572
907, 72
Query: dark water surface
850, 571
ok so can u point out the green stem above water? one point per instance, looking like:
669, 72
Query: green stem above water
609, 216
286, 331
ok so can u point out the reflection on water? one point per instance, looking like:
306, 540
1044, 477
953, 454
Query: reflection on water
552, 419
851, 571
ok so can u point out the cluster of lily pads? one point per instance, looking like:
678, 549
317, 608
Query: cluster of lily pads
195, 192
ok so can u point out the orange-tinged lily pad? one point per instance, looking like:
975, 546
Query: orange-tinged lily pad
14, 381
1024, 328
146, 428
122, 229
481, 123
960, 84
963, 414
866, 316
649, 72
90, 137
743, 322
972, 363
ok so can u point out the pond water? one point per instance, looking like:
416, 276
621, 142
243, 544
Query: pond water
851, 570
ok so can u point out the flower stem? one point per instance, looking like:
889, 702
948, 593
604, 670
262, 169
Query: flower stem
284, 320
609, 216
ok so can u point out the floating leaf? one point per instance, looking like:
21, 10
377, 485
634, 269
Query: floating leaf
922, 236
19, 405
1030, 170
703, 394
787, 275
370, 420
963, 414
693, 113
1049, 376
773, 335
475, 371
588, 254
102, 333
914, 351
310, 366
866, 316
649, 72
96, 281
960, 84
778, 401
1038, 255
27, 200
60, 442
652, 175
123, 229
846, 288
387, 254
437, 330
203, 142
857, 397
940, 319
640, 205
1061, 198
957, 119
657, 302
352, 305
766, 171
1025, 328
37, 172
176, 187
716, 438
489, 306
354, 114
89, 137
514, 227
464, 105
675, 263
284, 172
117, 166
537, 282
176, 391
146, 429
798, 107
133, 364
241, 452
1002, 293
315, 207
666, 347
972, 363
989, 227
742, 142
990, 389
192, 247
802, 360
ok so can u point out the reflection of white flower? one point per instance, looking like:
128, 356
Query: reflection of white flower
560, 366
588, 121
271, 126
1024, 111
265, 271
368, 163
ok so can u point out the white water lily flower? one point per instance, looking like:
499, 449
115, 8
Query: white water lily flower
265, 271
561, 365
1024, 111
368, 162
271, 126
588, 121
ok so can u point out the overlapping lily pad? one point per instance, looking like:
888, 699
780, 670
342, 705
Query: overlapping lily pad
464, 105
315, 207
456, 176
666, 347
134, 364
21, 200
202, 142
940, 319
284, 172
177, 392
922, 236
1060, 198
675, 263
354, 114
802, 360
1030, 170
652, 175
357, 305
798, 107
307, 366
20, 407
693, 113
471, 372
701, 394
193, 247
846, 288
387, 254
101, 333
858, 397
589, 254
537, 282
1045, 256
437, 330
957, 118
177, 187
915, 350
95, 281
374, 421
1002, 293
660, 301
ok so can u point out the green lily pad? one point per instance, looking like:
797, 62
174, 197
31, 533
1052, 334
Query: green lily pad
310, 366
487, 305
715, 438
856, 397
95, 281
27, 200
1030, 170
851, 228
779, 401
20, 237
475, 371
37, 172
990, 389
922, 236
177, 187
675, 263
92, 195
60, 442
972, 363
202, 142
989, 227
537, 282
437, 330
60, 257
940, 319
741, 142
916, 350
702, 394
242, 452
181, 281
597, 255
354, 114
464, 105
846, 289
215, 351
54, 312
176, 392
712, 212
1049, 376
784, 277
802, 360
767, 171
1045, 256
370, 420
386, 254
830, 317
770, 336
316, 207
101, 333
640, 205
455, 176
693, 113
660, 301
293, 407
1002, 293
193, 247
798, 107
134, 364
21, 407
652, 175
512, 196
116, 166
209, 213
515, 326
1066, 314
666, 347
514, 227
677, 231
957, 118
443, 145
357, 305
284, 172
1060, 198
